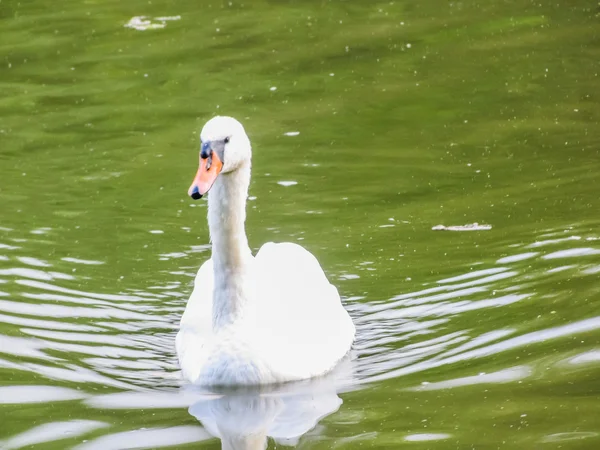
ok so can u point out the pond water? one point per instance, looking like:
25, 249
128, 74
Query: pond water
371, 123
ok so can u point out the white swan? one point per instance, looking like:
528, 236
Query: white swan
250, 320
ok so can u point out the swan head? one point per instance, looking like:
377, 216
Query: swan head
224, 148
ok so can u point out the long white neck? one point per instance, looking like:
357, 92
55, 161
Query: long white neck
231, 255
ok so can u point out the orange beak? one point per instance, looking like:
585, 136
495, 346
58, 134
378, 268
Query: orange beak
207, 174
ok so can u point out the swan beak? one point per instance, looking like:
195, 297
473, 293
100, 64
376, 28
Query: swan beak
207, 174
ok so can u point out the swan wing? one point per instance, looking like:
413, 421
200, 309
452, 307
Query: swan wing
303, 328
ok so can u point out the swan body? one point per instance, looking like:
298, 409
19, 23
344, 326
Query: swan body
253, 320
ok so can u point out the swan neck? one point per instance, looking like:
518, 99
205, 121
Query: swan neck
231, 255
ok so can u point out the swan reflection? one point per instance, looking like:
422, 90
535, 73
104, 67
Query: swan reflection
245, 418
242, 418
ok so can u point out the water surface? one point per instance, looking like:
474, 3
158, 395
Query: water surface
371, 123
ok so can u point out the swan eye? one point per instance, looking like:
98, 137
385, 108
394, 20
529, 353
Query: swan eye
226, 140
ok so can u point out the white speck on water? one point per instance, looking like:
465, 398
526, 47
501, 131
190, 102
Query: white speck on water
145, 75
156, 231
291, 133
332, 74
273, 88
287, 183
409, 45
252, 198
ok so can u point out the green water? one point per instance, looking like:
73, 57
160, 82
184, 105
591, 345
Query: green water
410, 115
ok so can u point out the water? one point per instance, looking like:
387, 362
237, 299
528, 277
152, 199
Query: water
371, 123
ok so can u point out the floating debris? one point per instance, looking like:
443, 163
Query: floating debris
469, 227
291, 133
143, 23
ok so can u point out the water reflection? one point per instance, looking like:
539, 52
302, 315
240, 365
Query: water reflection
244, 420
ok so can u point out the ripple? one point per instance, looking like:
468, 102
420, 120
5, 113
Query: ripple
474, 274
87, 262
572, 436
545, 242
592, 356
35, 274
147, 438
33, 261
37, 394
502, 376
54, 431
516, 258
8, 247
424, 437
572, 252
